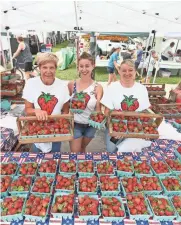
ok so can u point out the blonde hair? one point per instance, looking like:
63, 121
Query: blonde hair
128, 62
19, 38
46, 57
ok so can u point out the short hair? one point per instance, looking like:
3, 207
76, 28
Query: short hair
87, 56
178, 51
19, 38
128, 62
172, 43
46, 57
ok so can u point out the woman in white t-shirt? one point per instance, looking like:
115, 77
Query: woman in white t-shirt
46, 95
83, 133
125, 95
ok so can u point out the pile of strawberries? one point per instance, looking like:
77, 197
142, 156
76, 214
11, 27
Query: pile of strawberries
145, 119
150, 183
37, 205
88, 184
131, 118
28, 168
12, 205
161, 206
65, 183
105, 168
171, 184
177, 203
119, 126
42, 184
137, 204
150, 128
123, 165
174, 164
88, 206
8, 168
48, 166
22, 183
97, 117
5, 182
132, 184
68, 166
53, 126
155, 88
86, 166
160, 167
179, 149
142, 167
134, 127
112, 207
109, 183
63, 204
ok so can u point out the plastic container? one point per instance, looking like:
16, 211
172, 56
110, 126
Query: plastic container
5, 104
19, 192
70, 173
96, 124
162, 218
170, 193
152, 192
118, 121
161, 174
86, 193
14, 217
121, 173
123, 189
66, 190
114, 219
44, 173
111, 193
102, 174
175, 172
177, 154
37, 218
18, 171
5, 193
144, 217
143, 174
85, 174
60, 215
14, 173
178, 218
90, 217
77, 111
43, 193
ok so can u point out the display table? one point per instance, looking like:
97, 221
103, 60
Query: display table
169, 65
159, 150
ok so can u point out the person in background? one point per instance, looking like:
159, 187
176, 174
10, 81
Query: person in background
24, 50
168, 53
175, 95
112, 64
46, 95
124, 95
150, 65
83, 133
127, 54
178, 56
139, 53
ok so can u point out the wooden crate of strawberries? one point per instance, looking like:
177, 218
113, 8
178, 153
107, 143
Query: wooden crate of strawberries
172, 110
134, 125
155, 89
12, 89
56, 128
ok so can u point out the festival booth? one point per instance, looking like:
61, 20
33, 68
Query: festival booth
98, 188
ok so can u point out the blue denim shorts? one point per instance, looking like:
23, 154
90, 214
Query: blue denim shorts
56, 147
83, 130
110, 70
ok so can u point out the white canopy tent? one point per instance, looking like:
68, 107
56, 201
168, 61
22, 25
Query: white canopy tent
99, 16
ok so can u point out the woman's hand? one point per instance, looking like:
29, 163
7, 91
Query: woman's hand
41, 114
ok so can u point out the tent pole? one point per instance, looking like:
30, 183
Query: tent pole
77, 39
10, 52
177, 46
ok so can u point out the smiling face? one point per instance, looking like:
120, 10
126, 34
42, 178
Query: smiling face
47, 72
85, 67
127, 73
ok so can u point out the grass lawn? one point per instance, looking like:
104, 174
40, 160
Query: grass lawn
101, 73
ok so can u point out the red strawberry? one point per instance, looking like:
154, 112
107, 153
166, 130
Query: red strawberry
47, 102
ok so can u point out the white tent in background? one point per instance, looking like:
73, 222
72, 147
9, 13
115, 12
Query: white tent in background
100, 16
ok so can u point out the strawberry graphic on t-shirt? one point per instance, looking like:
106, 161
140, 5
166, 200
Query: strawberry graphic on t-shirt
129, 103
47, 102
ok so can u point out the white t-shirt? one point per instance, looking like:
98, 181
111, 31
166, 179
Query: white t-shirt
50, 98
40, 95
117, 97
165, 52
